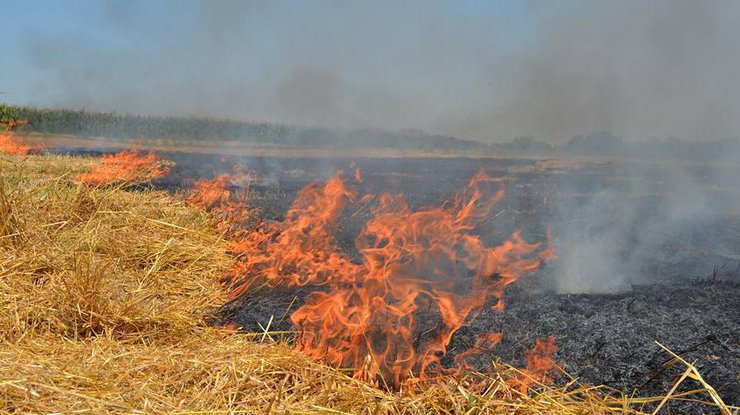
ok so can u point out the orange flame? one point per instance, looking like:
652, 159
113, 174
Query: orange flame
209, 194
420, 276
357, 172
541, 358
9, 145
540, 365
126, 166
216, 195
299, 250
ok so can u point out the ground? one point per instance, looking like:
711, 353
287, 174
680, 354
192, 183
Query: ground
686, 295
678, 298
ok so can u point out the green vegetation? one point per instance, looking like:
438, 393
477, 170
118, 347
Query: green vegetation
200, 130
9, 117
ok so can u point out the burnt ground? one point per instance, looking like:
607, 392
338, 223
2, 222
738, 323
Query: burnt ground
602, 338
610, 339
647, 252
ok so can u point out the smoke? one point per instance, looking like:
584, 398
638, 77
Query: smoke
656, 225
487, 71
640, 69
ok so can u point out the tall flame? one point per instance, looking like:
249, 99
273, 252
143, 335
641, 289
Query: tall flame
420, 276
126, 166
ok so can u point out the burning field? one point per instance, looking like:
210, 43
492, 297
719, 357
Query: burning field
376, 208
188, 283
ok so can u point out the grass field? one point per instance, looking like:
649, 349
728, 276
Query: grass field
107, 298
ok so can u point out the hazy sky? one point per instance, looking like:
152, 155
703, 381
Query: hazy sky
488, 70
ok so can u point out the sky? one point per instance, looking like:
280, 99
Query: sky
484, 70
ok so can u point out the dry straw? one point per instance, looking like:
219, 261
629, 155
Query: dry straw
105, 295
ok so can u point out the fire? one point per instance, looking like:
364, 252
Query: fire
420, 276
300, 250
212, 194
216, 195
357, 172
126, 166
540, 364
540, 358
9, 145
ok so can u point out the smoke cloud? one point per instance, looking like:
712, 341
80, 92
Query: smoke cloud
486, 71
657, 224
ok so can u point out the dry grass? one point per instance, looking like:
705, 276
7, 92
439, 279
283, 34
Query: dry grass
104, 297
80, 262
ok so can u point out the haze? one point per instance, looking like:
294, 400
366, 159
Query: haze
484, 70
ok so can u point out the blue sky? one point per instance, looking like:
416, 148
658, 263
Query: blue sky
489, 70
360, 39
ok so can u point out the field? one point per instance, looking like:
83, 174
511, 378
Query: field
114, 286
681, 288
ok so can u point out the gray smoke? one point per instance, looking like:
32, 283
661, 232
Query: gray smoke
660, 223
657, 69
640, 69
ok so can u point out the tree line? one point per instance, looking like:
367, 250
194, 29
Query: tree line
115, 126
200, 130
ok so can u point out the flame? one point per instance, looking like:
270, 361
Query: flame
216, 196
357, 172
10, 146
212, 194
540, 358
540, 364
420, 276
301, 249
126, 166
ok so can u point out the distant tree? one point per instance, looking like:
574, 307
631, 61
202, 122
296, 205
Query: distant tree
600, 143
201, 129
9, 117
527, 144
